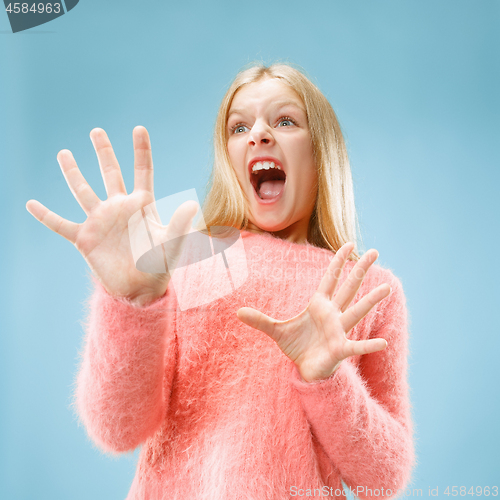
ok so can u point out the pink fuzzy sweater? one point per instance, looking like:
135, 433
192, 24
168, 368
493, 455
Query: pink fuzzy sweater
221, 413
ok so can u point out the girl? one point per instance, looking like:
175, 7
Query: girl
289, 385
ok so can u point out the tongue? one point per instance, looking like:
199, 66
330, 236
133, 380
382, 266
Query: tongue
270, 189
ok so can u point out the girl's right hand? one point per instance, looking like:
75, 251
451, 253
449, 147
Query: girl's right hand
103, 239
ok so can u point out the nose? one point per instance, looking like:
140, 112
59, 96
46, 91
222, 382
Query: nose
260, 134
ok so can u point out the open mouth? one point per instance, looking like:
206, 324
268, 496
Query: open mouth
267, 180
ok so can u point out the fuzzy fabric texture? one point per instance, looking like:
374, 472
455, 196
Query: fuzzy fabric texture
221, 413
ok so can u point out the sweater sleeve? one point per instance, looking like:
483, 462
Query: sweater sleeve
127, 367
361, 415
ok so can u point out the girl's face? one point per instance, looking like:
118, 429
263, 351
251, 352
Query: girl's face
267, 127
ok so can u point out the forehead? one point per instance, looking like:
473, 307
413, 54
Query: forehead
264, 93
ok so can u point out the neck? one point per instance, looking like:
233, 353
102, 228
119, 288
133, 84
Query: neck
296, 233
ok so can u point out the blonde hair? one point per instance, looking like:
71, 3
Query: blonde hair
333, 221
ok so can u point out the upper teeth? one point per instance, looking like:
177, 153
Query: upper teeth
264, 165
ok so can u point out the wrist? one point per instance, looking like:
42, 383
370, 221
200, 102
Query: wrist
144, 300
137, 300
309, 376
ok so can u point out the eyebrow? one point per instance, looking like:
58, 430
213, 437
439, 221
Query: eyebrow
276, 105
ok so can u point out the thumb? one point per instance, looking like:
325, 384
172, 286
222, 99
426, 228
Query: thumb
257, 320
176, 232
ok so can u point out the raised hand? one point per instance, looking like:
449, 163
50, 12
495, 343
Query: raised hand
316, 339
103, 239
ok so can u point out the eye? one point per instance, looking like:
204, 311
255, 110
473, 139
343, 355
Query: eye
286, 121
238, 128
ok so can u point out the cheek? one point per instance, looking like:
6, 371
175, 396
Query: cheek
305, 163
234, 150
309, 179
236, 157
230, 150
308, 188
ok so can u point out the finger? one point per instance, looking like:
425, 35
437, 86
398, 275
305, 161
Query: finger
353, 282
359, 310
330, 279
177, 229
180, 223
110, 169
54, 222
257, 320
360, 347
80, 188
143, 160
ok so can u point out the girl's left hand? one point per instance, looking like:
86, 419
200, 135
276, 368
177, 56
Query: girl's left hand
316, 340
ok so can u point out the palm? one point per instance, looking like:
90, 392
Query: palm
316, 339
103, 240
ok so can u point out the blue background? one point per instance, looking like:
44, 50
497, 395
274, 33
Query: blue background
415, 86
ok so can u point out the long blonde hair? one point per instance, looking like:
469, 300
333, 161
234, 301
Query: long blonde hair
333, 221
